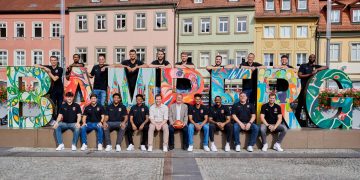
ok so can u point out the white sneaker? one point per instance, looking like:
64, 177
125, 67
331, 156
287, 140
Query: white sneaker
265, 147
250, 149
130, 147
149, 149
108, 148
73, 147
227, 147
100, 147
60, 147
143, 148
190, 148
213, 147
83, 147
238, 148
165, 148
277, 147
206, 148
117, 148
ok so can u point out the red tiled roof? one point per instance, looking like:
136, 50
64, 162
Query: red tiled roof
27, 5
312, 11
346, 25
210, 4
88, 3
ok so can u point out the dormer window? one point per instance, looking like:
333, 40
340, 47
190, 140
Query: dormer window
356, 16
335, 16
269, 5
198, 1
285, 5
95, 1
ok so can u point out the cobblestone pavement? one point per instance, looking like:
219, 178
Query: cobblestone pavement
43, 163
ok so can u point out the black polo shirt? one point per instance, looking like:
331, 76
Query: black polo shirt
93, 114
243, 111
251, 83
271, 113
219, 114
158, 70
116, 113
198, 115
101, 77
282, 84
182, 83
305, 69
132, 76
70, 112
56, 86
139, 113
75, 64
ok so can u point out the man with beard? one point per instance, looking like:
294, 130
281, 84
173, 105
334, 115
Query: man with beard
306, 71
116, 119
159, 63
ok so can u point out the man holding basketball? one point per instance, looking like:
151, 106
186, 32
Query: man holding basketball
178, 119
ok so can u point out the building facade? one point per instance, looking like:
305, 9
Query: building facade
30, 32
345, 36
285, 27
114, 27
215, 27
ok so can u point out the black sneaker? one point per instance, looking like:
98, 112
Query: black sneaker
171, 148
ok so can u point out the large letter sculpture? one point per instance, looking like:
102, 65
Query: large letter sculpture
167, 88
79, 78
217, 84
16, 96
283, 98
344, 117
145, 84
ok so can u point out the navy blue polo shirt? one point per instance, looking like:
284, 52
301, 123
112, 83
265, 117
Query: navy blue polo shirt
243, 111
198, 115
139, 113
93, 113
116, 113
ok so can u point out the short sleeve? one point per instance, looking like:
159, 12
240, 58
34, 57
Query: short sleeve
124, 63
60, 72
139, 63
302, 69
93, 71
166, 63
211, 114
123, 109
262, 111
279, 110
61, 110
252, 109
78, 109
146, 110
102, 110
190, 110
227, 111
233, 109
131, 113
86, 111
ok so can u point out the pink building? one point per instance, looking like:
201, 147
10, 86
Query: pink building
30, 32
113, 27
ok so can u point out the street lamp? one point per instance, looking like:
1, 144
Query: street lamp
328, 32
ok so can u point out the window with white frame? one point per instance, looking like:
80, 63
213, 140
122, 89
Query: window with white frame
204, 59
56, 53
269, 32
285, 5
356, 15
19, 29
268, 59
205, 25
300, 59
286, 54
82, 24
302, 4
335, 16
285, 31
100, 51
100, 22
187, 26
198, 1
140, 21
83, 54
19, 58
37, 57
301, 31
37, 29
355, 52
160, 20
223, 24
334, 52
225, 57
120, 22
240, 56
3, 58
141, 54
269, 5
55, 29
3, 30
241, 24
120, 55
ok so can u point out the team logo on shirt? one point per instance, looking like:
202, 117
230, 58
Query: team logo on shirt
74, 108
201, 111
248, 106
222, 111
142, 109
56, 71
98, 109
275, 110
111, 109
119, 109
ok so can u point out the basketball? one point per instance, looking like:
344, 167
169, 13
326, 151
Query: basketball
178, 124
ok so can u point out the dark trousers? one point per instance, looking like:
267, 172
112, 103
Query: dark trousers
111, 127
301, 104
227, 129
57, 99
184, 136
130, 132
